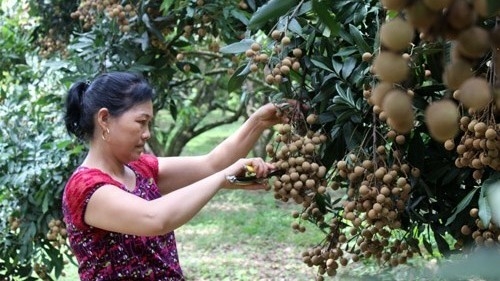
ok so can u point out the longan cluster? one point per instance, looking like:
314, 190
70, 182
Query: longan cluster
452, 20
371, 217
479, 146
390, 67
254, 53
291, 61
483, 235
377, 193
304, 176
203, 24
344, 246
57, 233
89, 10
392, 105
51, 44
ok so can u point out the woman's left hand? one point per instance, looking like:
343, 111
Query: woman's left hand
268, 114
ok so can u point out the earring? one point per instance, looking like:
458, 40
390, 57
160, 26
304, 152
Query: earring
105, 134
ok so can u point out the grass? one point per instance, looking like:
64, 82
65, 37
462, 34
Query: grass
242, 235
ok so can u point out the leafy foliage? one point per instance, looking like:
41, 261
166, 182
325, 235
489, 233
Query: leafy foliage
36, 158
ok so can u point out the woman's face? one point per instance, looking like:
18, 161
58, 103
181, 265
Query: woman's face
129, 132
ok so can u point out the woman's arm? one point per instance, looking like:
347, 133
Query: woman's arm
113, 209
176, 172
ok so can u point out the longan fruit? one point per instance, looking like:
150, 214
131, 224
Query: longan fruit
286, 40
255, 47
396, 34
442, 117
297, 52
367, 57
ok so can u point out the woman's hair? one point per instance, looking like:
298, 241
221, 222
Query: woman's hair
116, 91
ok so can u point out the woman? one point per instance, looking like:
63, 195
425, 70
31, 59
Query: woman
121, 205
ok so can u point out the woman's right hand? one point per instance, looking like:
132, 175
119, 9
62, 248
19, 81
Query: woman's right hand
261, 169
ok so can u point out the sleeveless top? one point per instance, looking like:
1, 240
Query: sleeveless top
105, 255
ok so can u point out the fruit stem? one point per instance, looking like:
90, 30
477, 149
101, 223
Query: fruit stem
496, 62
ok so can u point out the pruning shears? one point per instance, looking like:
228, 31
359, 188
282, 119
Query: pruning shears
250, 177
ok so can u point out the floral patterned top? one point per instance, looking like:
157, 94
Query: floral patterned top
104, 255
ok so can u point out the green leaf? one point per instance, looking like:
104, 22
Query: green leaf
238, 47
461, 206
320, 64
147, 21
240, 16
294, 26
270, 11
173, 109
442, 244
427, 245
322, 10
358, 39
484, 206
349, 65
238, 78
488, 203
165, 5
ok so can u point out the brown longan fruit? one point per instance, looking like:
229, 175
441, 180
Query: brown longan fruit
420, 16
286, 40
390, 67
475, 93
249, 53
255, 47
456, 73
449, 145
321, 172
285, 69
441, 118
460, 15
490, 134
276, 34
367, 57
473, 42
400, 139
379, 92
397, 34
297, 52
269, 79
474, 212
312, 119
310, 183
402, 126
397, 105
342, 165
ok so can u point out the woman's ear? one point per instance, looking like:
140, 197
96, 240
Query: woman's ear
103, 118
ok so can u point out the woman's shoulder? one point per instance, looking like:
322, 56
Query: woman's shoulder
88, 177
